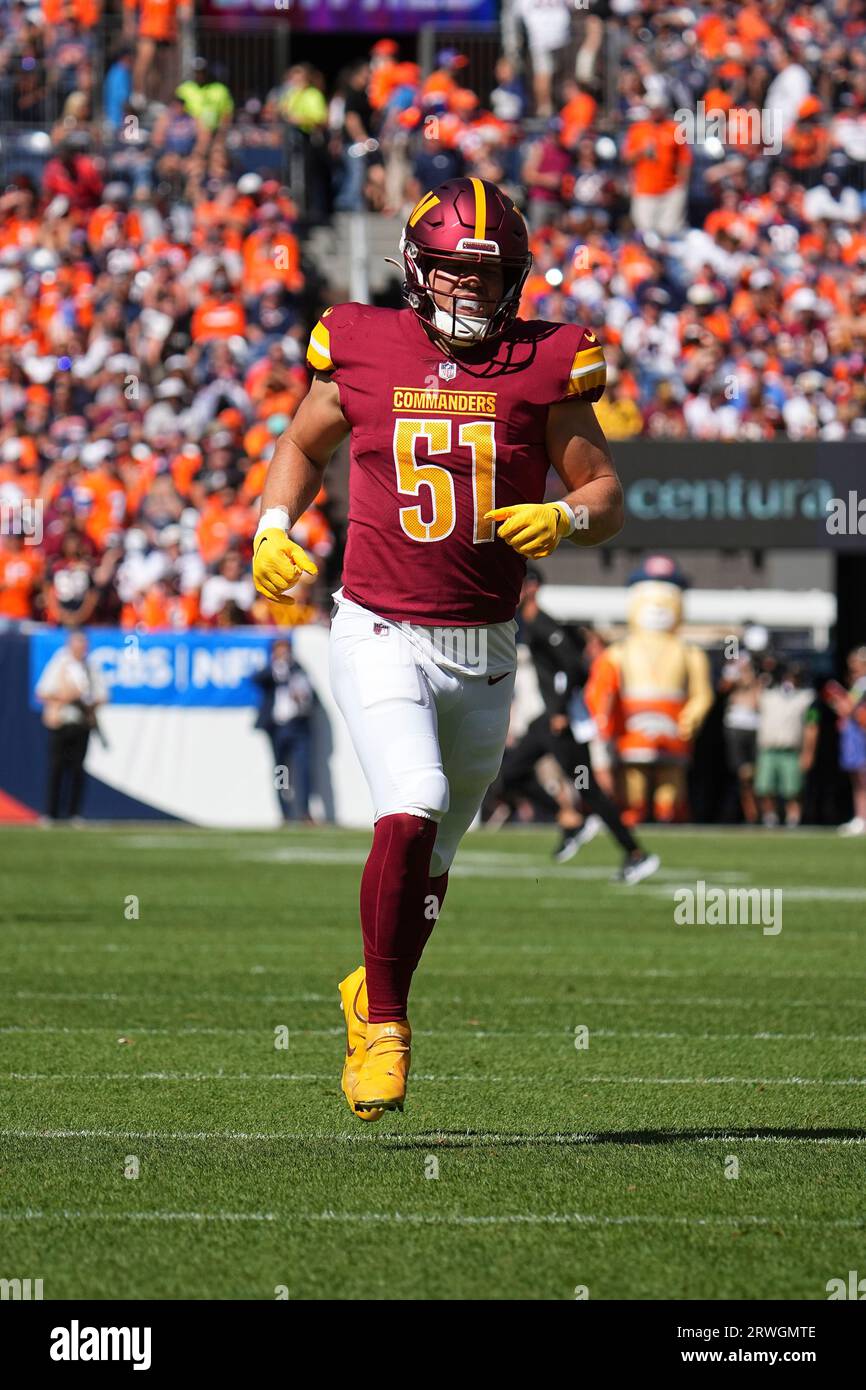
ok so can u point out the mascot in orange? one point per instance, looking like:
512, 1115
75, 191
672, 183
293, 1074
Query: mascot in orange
650, 692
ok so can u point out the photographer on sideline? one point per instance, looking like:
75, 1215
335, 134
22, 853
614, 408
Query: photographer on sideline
71, 690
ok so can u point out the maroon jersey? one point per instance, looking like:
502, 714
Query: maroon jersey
437, 442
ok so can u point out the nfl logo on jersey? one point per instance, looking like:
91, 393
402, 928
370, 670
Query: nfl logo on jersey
447, 370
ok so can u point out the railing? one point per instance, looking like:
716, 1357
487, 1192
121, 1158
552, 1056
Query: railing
250, 61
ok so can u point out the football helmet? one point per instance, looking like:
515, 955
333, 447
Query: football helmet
465, 222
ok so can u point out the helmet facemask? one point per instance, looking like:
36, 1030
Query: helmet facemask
464, 320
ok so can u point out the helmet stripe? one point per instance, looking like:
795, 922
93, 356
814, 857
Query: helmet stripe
480, 209
423, 205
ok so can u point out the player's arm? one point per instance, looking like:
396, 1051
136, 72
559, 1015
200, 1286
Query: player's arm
591, 511
294, 477
579, 452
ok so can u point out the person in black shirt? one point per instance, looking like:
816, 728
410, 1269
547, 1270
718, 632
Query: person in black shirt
358, 142
561, 671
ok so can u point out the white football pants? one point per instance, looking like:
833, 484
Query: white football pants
429, 739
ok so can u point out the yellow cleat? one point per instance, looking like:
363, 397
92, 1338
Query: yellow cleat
353, 1002
381, 1082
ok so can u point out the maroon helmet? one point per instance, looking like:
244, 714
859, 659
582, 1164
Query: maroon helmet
465, 222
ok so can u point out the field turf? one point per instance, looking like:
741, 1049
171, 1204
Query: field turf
146, 1044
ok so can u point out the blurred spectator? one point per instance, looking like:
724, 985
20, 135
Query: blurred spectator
286, 717
210, 104
154, 25
231, 585
618, 412
850, 708
660, 170
301, 100
21, 567
578, 113
71, 595
546, 171
117, 89
548, 30
355, 143
72, 174
807, 143
508, 98
436, 160
782, 708
219, 315
741, 719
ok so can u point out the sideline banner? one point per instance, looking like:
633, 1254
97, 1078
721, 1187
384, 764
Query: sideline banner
166, 668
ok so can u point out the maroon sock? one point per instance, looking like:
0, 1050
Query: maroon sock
394, 884
436, 888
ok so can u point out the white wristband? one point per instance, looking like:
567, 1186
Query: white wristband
274, 516
569, 516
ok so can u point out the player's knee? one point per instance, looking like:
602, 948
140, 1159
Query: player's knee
425, 795
431, 795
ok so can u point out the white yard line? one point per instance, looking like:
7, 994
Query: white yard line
441, 1079
433, 1138
579, 1001
456, 1032
490, 866
697, 1000
403, 1218
174, 835
574, 955
193, 994
66, 1215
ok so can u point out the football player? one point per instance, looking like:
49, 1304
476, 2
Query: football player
457, 409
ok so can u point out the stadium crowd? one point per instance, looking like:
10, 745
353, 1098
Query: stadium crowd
155, 295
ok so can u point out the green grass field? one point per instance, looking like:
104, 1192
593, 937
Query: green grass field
154, 1040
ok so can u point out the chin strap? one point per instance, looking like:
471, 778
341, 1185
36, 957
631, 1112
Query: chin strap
460, 329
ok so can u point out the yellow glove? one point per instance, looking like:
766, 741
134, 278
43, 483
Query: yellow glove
278, 564
533, 528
